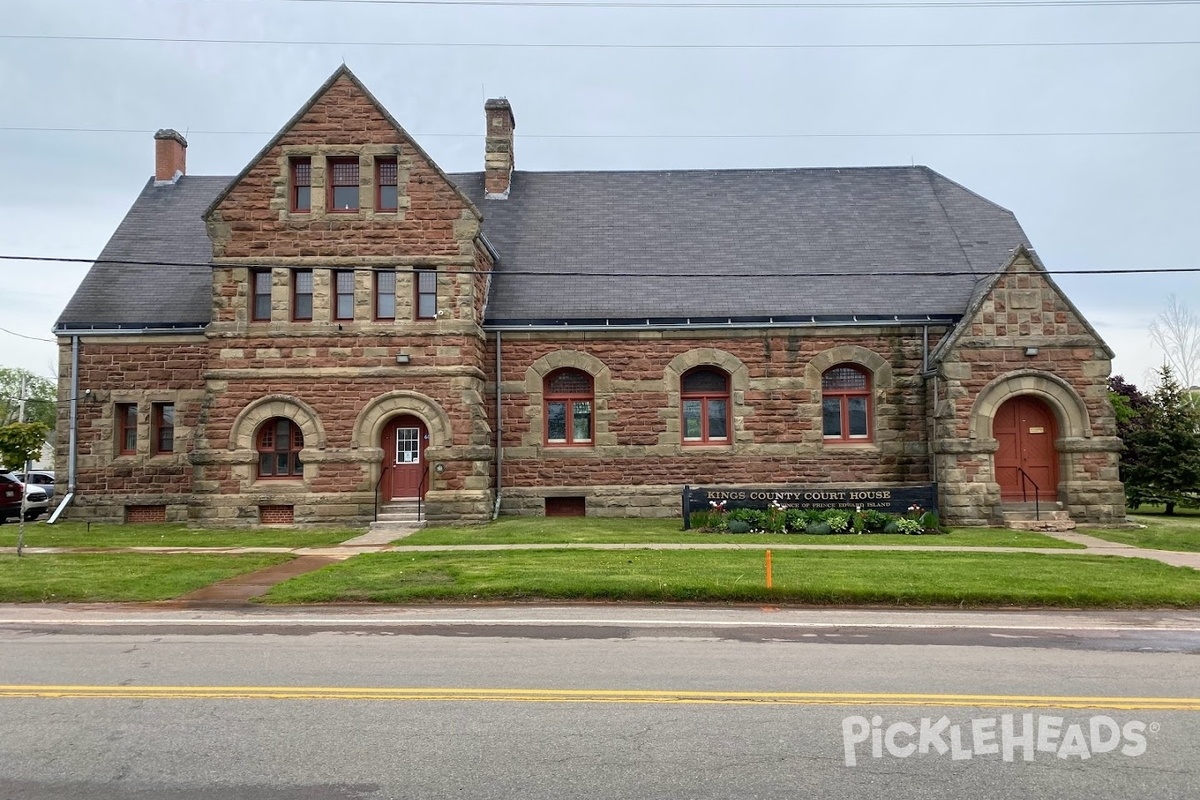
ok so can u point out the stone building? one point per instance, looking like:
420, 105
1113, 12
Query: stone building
343, 324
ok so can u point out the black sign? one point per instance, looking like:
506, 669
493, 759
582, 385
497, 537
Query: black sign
892, 499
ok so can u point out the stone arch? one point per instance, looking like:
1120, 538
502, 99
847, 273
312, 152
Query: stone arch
739, 382
881, 370
369, 425
602, 392
246, 424
1068, 407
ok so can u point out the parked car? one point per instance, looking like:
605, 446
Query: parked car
43, 479
11, 492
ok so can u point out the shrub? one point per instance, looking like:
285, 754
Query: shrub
874, 521
838, 521
909, 527
818, 529
715, 521
757, 520
932, 523
892, 526
738, 526
795, 520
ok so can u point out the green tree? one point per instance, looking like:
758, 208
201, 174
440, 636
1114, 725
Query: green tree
41, 397
1162, 461
20, 442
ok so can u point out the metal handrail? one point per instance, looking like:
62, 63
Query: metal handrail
1037, 512
382, 474
421, 490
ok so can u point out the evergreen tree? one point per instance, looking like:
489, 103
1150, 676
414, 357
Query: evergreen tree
1162, 461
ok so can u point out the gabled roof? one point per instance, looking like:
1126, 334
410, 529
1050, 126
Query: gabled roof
154, 270
341, 72
984, 287
750, 244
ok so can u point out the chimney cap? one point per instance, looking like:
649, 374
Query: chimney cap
501, 104
170, 133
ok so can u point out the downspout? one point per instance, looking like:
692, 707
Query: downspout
72, 434
499, 430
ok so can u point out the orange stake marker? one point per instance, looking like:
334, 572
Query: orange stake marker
769, 580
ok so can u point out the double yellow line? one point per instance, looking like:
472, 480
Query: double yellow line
596, 696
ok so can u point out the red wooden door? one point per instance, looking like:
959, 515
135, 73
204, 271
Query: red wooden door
404, 442
1024, 427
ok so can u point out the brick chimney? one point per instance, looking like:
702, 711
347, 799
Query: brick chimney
170, 156
498, 152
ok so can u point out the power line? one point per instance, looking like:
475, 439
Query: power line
913, 135
598, 45
631, 273
31, 338
652, 4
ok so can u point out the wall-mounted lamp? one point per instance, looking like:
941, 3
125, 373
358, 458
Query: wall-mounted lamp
402, 358
439, 468
1031, 351
88, 396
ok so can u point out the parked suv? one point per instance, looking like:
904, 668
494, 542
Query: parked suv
43, 479
11, 492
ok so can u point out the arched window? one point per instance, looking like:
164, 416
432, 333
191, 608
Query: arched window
704, 403
279, 444
846, 404
568, 396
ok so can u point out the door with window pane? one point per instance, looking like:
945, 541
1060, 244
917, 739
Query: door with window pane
404, 441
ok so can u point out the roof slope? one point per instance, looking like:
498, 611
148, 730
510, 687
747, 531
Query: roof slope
702, 243
154, 270
758, 232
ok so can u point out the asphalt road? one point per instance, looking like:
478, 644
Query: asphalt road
595, 701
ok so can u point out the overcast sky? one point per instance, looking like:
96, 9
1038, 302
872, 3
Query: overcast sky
1088, 200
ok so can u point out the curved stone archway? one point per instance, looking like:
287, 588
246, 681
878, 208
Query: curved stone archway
881, 370
1068, 407
245, 425
739, 382
602, 392
368, 427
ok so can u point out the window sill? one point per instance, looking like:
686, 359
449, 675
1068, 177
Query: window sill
842, 444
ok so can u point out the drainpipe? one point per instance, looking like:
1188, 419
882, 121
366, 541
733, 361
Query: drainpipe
72, 433
499, 430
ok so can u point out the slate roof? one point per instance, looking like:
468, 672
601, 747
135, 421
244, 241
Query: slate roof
667, 246
163, 228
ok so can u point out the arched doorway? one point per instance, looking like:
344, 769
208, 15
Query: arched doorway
404, 440
1025, 428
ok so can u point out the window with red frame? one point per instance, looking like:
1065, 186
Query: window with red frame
385, 294
343, 301
342, 176
260, 306
302, 294
279, 444
301, 188
568, 395
426, 285
164, 427
846, 404
704, 405
386, 191
126, 414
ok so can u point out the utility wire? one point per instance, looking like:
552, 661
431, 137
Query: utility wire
624, 273
653, 4
914, 135
31, 338
596, 45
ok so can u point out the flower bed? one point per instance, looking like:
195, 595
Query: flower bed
778, 518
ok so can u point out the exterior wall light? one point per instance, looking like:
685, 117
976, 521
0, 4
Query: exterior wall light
1031, 351
402, 358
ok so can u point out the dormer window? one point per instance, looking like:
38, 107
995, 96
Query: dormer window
301, 190
343, 184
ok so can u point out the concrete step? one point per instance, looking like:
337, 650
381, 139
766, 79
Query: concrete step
1025, 517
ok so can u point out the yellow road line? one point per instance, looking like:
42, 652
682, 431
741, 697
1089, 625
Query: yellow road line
596, 696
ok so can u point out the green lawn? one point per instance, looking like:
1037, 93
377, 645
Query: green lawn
565, 530
100, 577
77, 534
1180, 531
814, 577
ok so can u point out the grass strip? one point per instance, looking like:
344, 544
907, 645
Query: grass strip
99, 577
591, 530
103, 535
899, 578
1180, 533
